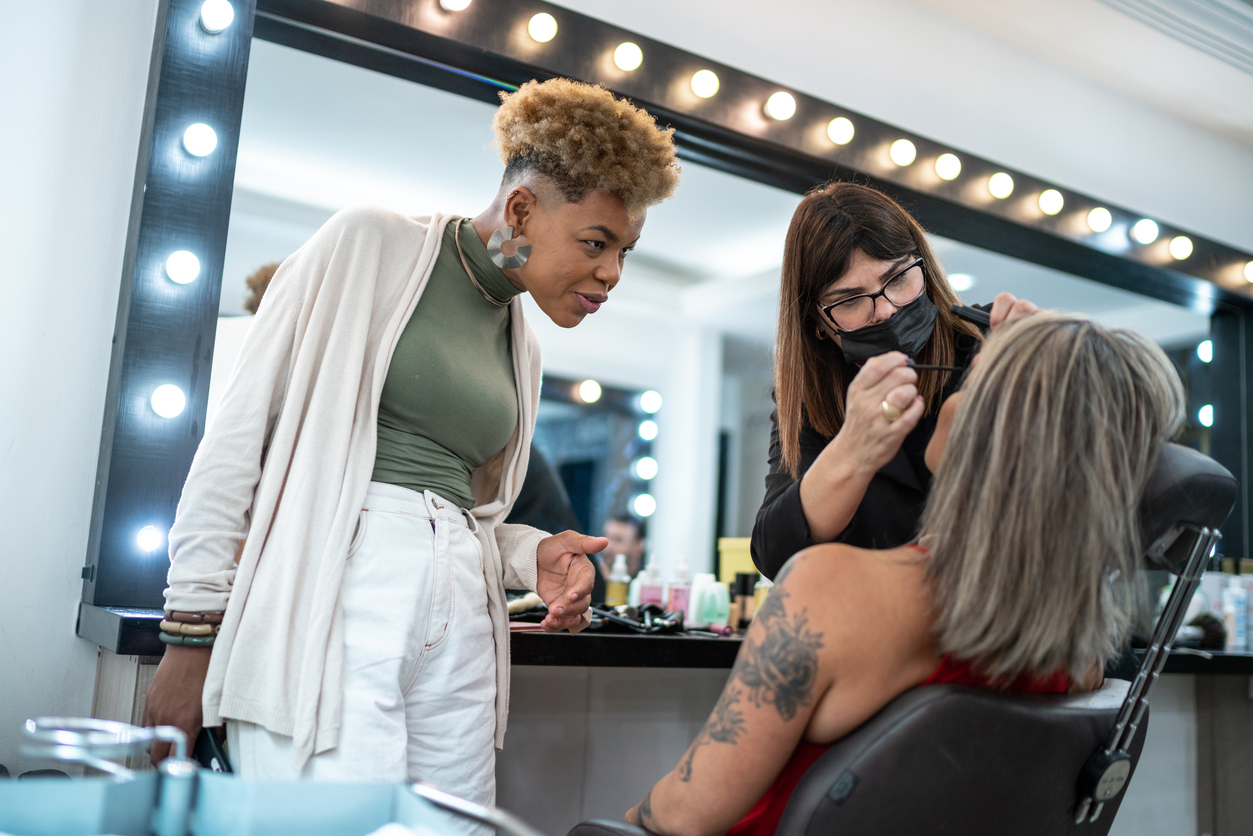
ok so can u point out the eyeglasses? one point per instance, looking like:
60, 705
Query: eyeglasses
857, 311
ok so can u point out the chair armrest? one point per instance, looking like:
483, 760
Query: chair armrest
607, 827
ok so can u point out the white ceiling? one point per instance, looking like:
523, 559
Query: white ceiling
1145, 50
318, 135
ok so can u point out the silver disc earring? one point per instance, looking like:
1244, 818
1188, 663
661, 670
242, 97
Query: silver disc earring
504, 253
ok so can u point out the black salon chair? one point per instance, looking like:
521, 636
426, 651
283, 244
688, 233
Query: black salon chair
945, 759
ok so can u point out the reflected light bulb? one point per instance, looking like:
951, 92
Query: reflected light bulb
1180, 247
543, 27
646, 468
961, 282
948, 166
644, 505
840, 130
168, 400
1248, 272
628, 57
1001, 185
149, 538
589, 391
1205, 415
1205, 351
1145, 231
1100, 219
648, 430
216, 15
705, 83
1051, 201
781, 106
902, 152
454, 5
650, 401
182, 267
200, 140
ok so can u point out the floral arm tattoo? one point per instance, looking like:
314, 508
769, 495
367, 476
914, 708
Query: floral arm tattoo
779, 670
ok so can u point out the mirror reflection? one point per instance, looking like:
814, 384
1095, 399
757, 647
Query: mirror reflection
693, 319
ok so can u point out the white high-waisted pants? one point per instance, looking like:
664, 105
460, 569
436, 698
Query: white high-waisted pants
419, 658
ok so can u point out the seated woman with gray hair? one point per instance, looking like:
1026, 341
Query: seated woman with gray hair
1022, 578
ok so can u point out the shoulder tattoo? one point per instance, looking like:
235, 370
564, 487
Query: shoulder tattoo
779, 670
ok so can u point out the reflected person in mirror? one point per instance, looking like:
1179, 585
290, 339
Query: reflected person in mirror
339, 557
863, 297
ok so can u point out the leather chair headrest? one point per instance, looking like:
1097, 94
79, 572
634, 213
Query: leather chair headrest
1187, 491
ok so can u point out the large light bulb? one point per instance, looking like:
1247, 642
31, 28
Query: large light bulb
200, 140
1099, 219
1051, 201
781, 106
902, 152
216, 15
628, 57
182, 267
648, 430
1248, 272
646, 468
1205, 351
650, 401
948, 166
961, 282
168, 400
1180, 247
454, 5
149, 538
840, 130
705, 83
543, 27
1205, 415
1000, 185
589, 391
1144, 231
644, 505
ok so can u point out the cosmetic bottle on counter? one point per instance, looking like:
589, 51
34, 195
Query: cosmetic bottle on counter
760, 590
744, 600
714, 604
679, 590
1235, 604
618, 583
652, 589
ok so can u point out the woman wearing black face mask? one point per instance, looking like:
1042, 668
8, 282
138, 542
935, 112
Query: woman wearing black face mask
862, 296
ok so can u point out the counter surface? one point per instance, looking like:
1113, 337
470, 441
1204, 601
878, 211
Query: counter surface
133, 632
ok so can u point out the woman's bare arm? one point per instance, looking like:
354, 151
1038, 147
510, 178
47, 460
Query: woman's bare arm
756, 725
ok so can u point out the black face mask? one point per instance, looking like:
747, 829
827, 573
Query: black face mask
907, 330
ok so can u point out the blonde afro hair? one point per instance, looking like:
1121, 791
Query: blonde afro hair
583, 138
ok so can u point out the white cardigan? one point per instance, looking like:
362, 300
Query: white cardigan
270, 506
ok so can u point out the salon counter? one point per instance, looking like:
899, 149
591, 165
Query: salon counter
134, 632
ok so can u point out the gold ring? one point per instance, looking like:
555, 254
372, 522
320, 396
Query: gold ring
890, 412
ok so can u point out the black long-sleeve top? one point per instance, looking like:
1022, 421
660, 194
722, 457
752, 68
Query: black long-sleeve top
888, 514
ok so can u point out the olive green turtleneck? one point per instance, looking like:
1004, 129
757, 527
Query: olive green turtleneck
450, 401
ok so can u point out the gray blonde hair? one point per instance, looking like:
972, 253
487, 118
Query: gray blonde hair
1032, 523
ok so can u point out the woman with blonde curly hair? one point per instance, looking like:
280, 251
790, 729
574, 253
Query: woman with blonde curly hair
339, 557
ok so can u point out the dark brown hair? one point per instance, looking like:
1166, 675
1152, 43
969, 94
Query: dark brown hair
810, 375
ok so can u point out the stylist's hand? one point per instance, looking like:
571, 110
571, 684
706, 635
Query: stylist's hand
564, 578
868, 437
175, 695
1007, 308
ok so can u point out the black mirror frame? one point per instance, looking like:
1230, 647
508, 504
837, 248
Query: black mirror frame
165, 331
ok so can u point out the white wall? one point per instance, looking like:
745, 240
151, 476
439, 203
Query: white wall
76, 74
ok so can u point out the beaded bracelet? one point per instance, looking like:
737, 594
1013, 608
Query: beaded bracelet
194, 617
187, 641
